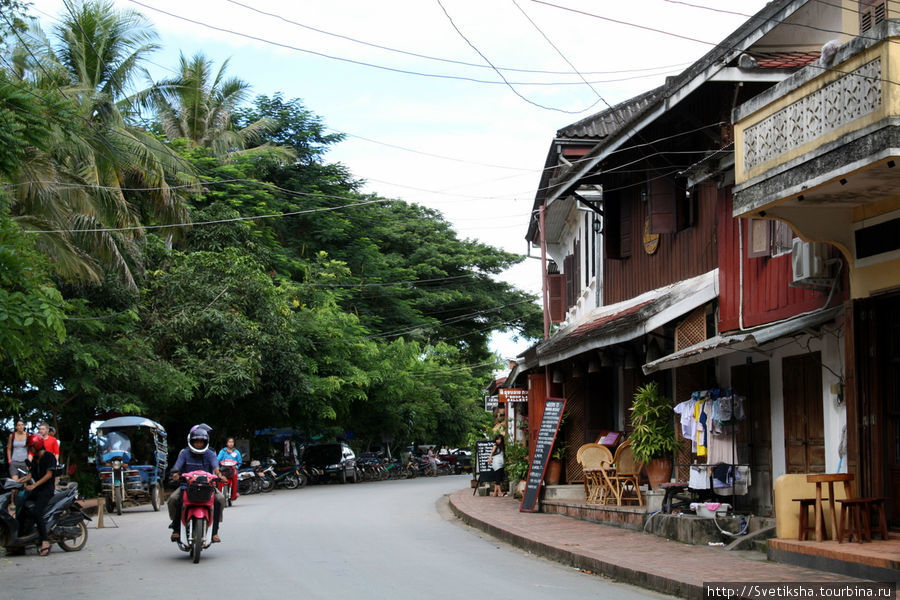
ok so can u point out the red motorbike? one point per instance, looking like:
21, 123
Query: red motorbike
228, 468
198, 500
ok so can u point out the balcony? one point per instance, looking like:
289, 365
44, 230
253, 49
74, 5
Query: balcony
819, 151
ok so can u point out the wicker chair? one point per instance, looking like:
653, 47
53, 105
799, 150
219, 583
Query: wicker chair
596, 463
626, 478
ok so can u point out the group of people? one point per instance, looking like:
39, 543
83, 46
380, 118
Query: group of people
32, 459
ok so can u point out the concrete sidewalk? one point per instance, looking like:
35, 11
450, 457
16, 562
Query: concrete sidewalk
624, 555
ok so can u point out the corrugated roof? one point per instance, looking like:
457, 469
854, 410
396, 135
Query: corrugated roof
610, 121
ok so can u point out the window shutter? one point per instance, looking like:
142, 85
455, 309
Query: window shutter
576, 277
557, 301
662, 205
625, 232
871, 13
569, 274
760, 238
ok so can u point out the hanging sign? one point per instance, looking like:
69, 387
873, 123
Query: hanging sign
513, 395
553, 412
490, 403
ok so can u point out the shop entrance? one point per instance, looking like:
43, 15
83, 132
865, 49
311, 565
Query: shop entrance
878, 364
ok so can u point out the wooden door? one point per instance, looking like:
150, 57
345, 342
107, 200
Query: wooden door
804, 421
878, 352
754, 438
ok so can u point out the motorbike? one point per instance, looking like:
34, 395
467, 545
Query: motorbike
65, 520
248, 481
288, 476
228, 468
266, 474
198, 500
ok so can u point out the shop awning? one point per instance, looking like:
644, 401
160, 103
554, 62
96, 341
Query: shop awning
745, 340
624, 321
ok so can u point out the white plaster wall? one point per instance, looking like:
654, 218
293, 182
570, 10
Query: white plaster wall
831, 345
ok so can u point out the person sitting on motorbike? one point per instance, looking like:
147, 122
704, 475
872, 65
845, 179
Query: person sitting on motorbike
40, 490
196, 457
230, 452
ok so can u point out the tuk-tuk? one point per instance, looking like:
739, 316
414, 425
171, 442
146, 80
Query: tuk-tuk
132, 457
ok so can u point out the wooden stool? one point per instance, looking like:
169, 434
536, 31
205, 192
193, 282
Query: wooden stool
878, 505
805, 527
852, 510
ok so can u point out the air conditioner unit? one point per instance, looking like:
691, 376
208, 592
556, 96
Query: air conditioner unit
809, 262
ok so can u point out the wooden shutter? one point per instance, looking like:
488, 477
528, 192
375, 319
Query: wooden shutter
569, 274
662, 205
556, 287
871, 13
626, 236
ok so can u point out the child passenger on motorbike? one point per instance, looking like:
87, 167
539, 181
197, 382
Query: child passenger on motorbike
196, 457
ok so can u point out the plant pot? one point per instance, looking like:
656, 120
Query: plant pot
659, 470
554, 470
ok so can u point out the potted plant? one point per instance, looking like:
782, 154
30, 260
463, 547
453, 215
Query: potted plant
554, 466
516, 465
653, 434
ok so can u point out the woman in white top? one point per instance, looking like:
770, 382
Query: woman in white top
16, 450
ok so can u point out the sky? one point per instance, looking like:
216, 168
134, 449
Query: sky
451, 104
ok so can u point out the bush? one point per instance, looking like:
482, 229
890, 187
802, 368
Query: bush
516, 461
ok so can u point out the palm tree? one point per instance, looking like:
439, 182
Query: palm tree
199, 105
79, 194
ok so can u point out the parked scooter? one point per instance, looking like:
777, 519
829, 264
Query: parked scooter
288, 476
198, 500
64, 519
248, 481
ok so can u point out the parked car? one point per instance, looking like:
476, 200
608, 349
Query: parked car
335, 460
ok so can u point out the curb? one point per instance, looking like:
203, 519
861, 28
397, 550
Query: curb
619, 573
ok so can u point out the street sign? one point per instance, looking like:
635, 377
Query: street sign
490, 403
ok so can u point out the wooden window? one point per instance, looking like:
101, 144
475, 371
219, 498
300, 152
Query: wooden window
768, 238
556, 287
587, 249
686, 208
569, 274
661, 205
871, 13
617, 227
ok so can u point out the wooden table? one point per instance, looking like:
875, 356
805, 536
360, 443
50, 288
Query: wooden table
829, 478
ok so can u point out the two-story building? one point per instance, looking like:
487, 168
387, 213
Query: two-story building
730, 230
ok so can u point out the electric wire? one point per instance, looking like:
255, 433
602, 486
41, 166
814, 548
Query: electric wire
500, 74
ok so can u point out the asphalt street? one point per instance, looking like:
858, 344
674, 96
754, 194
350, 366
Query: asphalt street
393, 539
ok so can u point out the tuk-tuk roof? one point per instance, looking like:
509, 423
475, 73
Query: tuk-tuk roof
131, 422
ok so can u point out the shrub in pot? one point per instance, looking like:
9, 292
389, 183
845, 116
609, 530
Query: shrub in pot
653, 436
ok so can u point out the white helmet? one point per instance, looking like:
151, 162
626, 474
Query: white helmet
198, 432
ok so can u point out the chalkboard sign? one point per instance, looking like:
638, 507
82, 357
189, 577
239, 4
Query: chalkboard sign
482, 454
553, 412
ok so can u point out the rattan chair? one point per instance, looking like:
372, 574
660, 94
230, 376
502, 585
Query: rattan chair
626, 478
596, 463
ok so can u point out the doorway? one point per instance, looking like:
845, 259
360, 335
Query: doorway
804, 420
754, 441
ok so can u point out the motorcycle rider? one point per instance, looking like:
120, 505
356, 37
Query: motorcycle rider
196, 457
230, 452
40, 490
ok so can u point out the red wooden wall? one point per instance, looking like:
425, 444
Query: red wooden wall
767, 295
681, 255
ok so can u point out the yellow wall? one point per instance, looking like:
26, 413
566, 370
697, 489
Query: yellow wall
787, 512
890, 67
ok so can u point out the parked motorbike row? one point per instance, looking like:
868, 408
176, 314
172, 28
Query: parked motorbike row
377, 469
263, 478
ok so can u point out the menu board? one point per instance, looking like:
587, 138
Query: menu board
482, 454
553, 412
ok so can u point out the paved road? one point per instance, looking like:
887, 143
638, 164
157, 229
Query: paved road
395, 540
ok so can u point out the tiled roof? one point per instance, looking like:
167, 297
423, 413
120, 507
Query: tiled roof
785, 60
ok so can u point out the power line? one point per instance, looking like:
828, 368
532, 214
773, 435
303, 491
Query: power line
434, 58
500, 73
